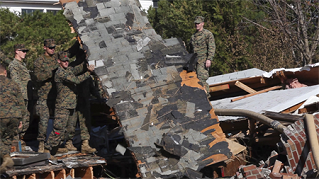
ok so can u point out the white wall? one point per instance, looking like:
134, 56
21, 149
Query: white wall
146, 4
47, 5
17, 6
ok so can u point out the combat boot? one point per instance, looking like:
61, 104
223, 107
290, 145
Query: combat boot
51, 156
6, 164
41, 147
69, 145
85, 147
62, 150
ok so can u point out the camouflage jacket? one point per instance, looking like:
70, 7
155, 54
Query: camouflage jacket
203, 43
4, 59
44, 69
11, 100
66, 82
20, 74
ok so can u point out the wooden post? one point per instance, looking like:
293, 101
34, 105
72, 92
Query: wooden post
85, 172
60, 174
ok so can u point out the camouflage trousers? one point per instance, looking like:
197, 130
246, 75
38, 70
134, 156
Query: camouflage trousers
8, 129
43, 110
84, 121
25, 121
63, 127
203, 74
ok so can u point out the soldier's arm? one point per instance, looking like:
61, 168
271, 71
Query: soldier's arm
71, 78
42, 72
14, 71
211, 47
78, 69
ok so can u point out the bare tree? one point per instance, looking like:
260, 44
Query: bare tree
298, 20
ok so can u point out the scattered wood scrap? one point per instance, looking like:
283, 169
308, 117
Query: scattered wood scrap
73, 165
245, 87
258, 92
219, 88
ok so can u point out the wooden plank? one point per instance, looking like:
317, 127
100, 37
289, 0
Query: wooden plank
292, 109
259, 92
218, 88
245, 87
283, 117
235, 147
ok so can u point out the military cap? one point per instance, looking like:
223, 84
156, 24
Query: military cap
63, 56
199, 19
20, 47
49, 42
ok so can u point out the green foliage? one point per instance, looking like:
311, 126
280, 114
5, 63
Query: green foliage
32, 29
176, 19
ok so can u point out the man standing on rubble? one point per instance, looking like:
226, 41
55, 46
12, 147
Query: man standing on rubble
20, 74
12, 109
65, 114
202, 42
44, 69
83, 107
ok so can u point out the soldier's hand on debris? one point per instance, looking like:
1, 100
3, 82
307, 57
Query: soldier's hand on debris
208, 63
91, 68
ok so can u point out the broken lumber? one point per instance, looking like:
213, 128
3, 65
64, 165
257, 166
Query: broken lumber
218, 88
245, 87
258, 92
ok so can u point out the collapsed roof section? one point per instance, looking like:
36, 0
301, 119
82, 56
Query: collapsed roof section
256, 90
166, 118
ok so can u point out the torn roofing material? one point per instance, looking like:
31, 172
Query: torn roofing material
253, 72
160, 106
293, 70
275, 101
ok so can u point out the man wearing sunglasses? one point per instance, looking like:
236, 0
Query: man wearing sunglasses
44, 70
20, 74
202, 42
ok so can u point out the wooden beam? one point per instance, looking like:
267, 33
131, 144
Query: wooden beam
245, 87
259, 92
218, 88
292, 109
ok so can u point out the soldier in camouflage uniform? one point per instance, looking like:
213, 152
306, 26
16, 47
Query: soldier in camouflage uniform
44, 70
12, 109
84, 91
65, 114
4, 59
20, 74
202, 42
